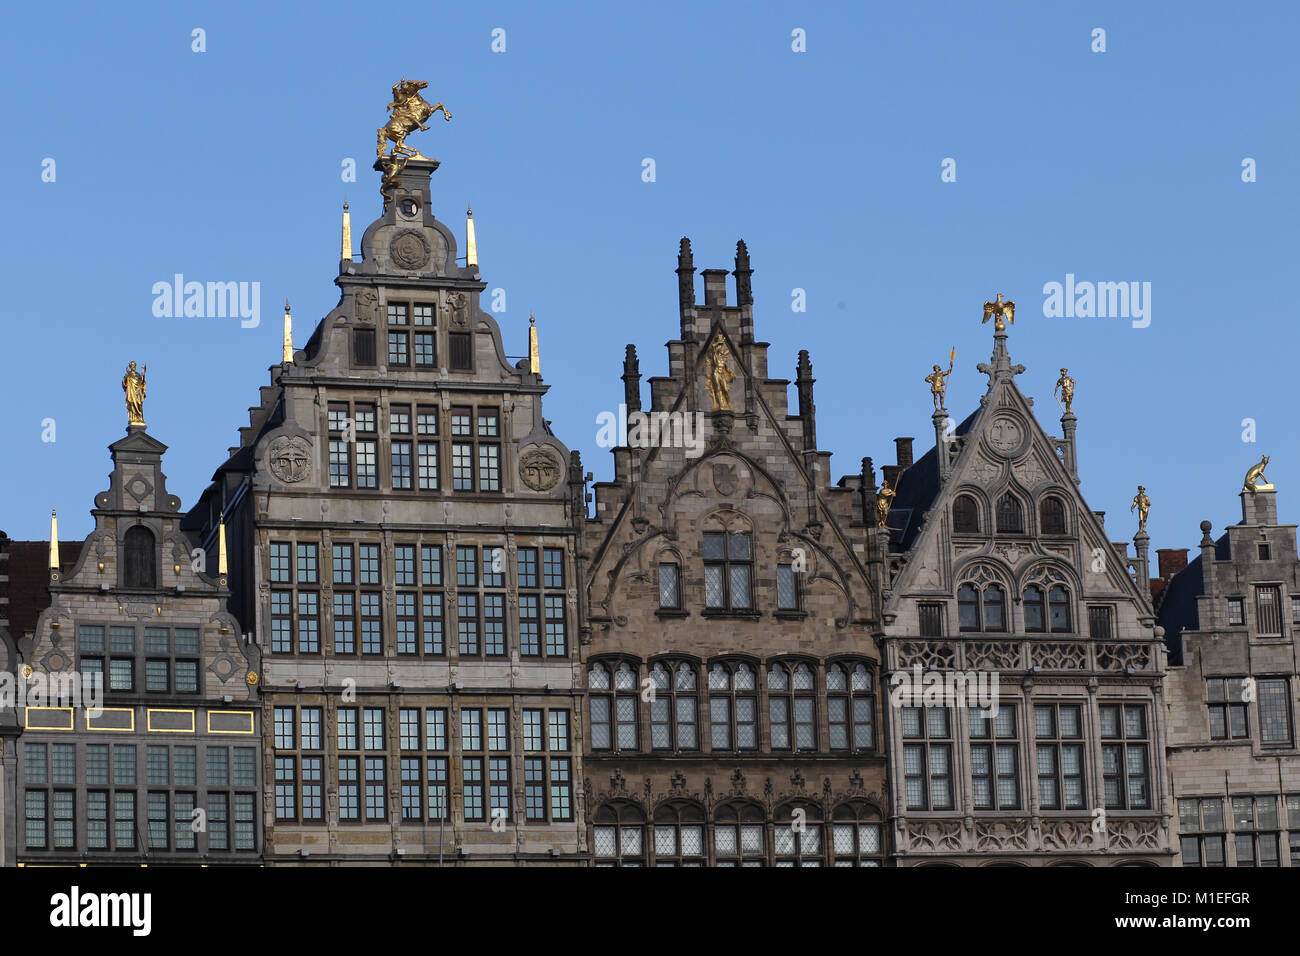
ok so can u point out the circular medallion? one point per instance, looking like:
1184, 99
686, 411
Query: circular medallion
1007, 436
289, 458
409, 250
539, 469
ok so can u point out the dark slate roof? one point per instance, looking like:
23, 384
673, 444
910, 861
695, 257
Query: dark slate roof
1177, 610
918, 486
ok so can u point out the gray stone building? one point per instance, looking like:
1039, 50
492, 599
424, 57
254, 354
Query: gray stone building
1231, 619
998, 569
402, 531
157, 760
733, 711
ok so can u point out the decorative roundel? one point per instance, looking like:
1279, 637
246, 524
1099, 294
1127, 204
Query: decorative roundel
1007, 436
251, 678
409, 250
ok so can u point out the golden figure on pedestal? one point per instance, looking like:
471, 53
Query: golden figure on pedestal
1255, 479
134, 386
938, 380
1001, 313
409, 111
884, 501
1143, 505
720, 376
1064, 390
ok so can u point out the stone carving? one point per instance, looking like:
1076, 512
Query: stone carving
1005, 435
1002, 835
934, 835
1132, 834
1029, 471
985, 471
409, 250
1118, 657
455, 312
998, 656
725, 479
539, 469
289, 458
1058, 657
926, 654
1067, 835
366, 303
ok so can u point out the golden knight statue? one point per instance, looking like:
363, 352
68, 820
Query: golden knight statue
938, 380
1001, 313
1143, 505
134, 386
1064, 391
409, 111
720, 376
884, 501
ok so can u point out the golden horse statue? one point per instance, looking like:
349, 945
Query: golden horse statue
1254, 476
409, 111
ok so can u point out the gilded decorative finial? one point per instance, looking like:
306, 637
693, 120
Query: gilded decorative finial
1255, 479
1001, 313
719, 375
288, 335
133, 385
347, 232
221, 546
534, 357
938, 380
54, 540
1143, 505
471, 244
1064, 391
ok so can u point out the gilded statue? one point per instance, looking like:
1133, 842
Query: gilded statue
938, 380
884, 501
1255, 476
409, 111
133, 386
1001, 312
720, 376
1064, 391
1143, 505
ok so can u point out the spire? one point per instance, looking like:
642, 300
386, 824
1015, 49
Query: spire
631, 380
534, 360
54, 540
744, 295
288, 335
999, 367
471, 244
807, 410
347, 232
686, 289
221, 546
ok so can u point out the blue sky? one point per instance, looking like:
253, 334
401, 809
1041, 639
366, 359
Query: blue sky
1117, 166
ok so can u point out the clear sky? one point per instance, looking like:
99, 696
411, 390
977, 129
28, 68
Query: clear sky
1122, 166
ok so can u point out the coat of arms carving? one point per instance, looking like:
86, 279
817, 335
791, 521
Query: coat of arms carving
289, 458
539, 469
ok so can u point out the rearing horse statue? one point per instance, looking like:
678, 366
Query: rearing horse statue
410, 110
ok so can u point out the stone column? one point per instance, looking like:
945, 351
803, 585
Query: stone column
1068, 424
942, 446
1141, 564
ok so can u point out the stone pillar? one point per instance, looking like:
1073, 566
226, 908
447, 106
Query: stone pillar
1068, 425
1259, 508
1141, 564
942, 444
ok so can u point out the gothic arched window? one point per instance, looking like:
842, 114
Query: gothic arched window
965, 515
1035, 609
1051, 515
140, 567
1011, 515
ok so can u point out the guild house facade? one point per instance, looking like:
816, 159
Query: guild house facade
733, 714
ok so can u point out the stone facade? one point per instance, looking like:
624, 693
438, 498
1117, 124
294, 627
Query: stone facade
733, 715
163, 767
405, 529
998, 569
1232, 618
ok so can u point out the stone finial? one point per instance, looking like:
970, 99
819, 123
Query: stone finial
744, 292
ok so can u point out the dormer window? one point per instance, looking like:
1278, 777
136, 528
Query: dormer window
140, 567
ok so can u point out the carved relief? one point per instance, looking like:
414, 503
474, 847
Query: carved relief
1002, 835
994, 656
289, 458
539, 469
1132, 834
366, 302
1067, 835
926, 654
1058, 657
1006, 435
934, 835
1118, 657
409, 249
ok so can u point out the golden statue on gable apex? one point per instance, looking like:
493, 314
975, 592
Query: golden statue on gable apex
1001, 313
134, 386
719, 376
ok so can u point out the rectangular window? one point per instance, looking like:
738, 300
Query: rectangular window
284, 728
670, 595
1274, 712
347, 729
728, 570
426, 350
370, 564
398, 349
372, 636
1058, 749
1202, 831
1268, 610
471, 729
307, 564
995, 766
401, 464
374, 728
930, 619
340, 463
787, 588
349, 787
472, 788
1125, 756
1227, 709
1101, 622
342, 563
498, 729
376, 801
345, 623
308, 622
1255, 830
367, 467
1236, 612
462, 466
280, 571
462, 356
427, 466
927, 758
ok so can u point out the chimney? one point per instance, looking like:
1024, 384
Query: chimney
890, 473
1170, 561
715, 287
904, 446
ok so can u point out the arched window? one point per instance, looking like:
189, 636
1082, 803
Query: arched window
617, 835
802, 847
982, 612
679, 835
850, 707
792, 707
674, 708
141, 566
738, 835
1035, 609
733, 707
613, 709
1011, 515
1058, 601
1051, 516
855, 835
965, 515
